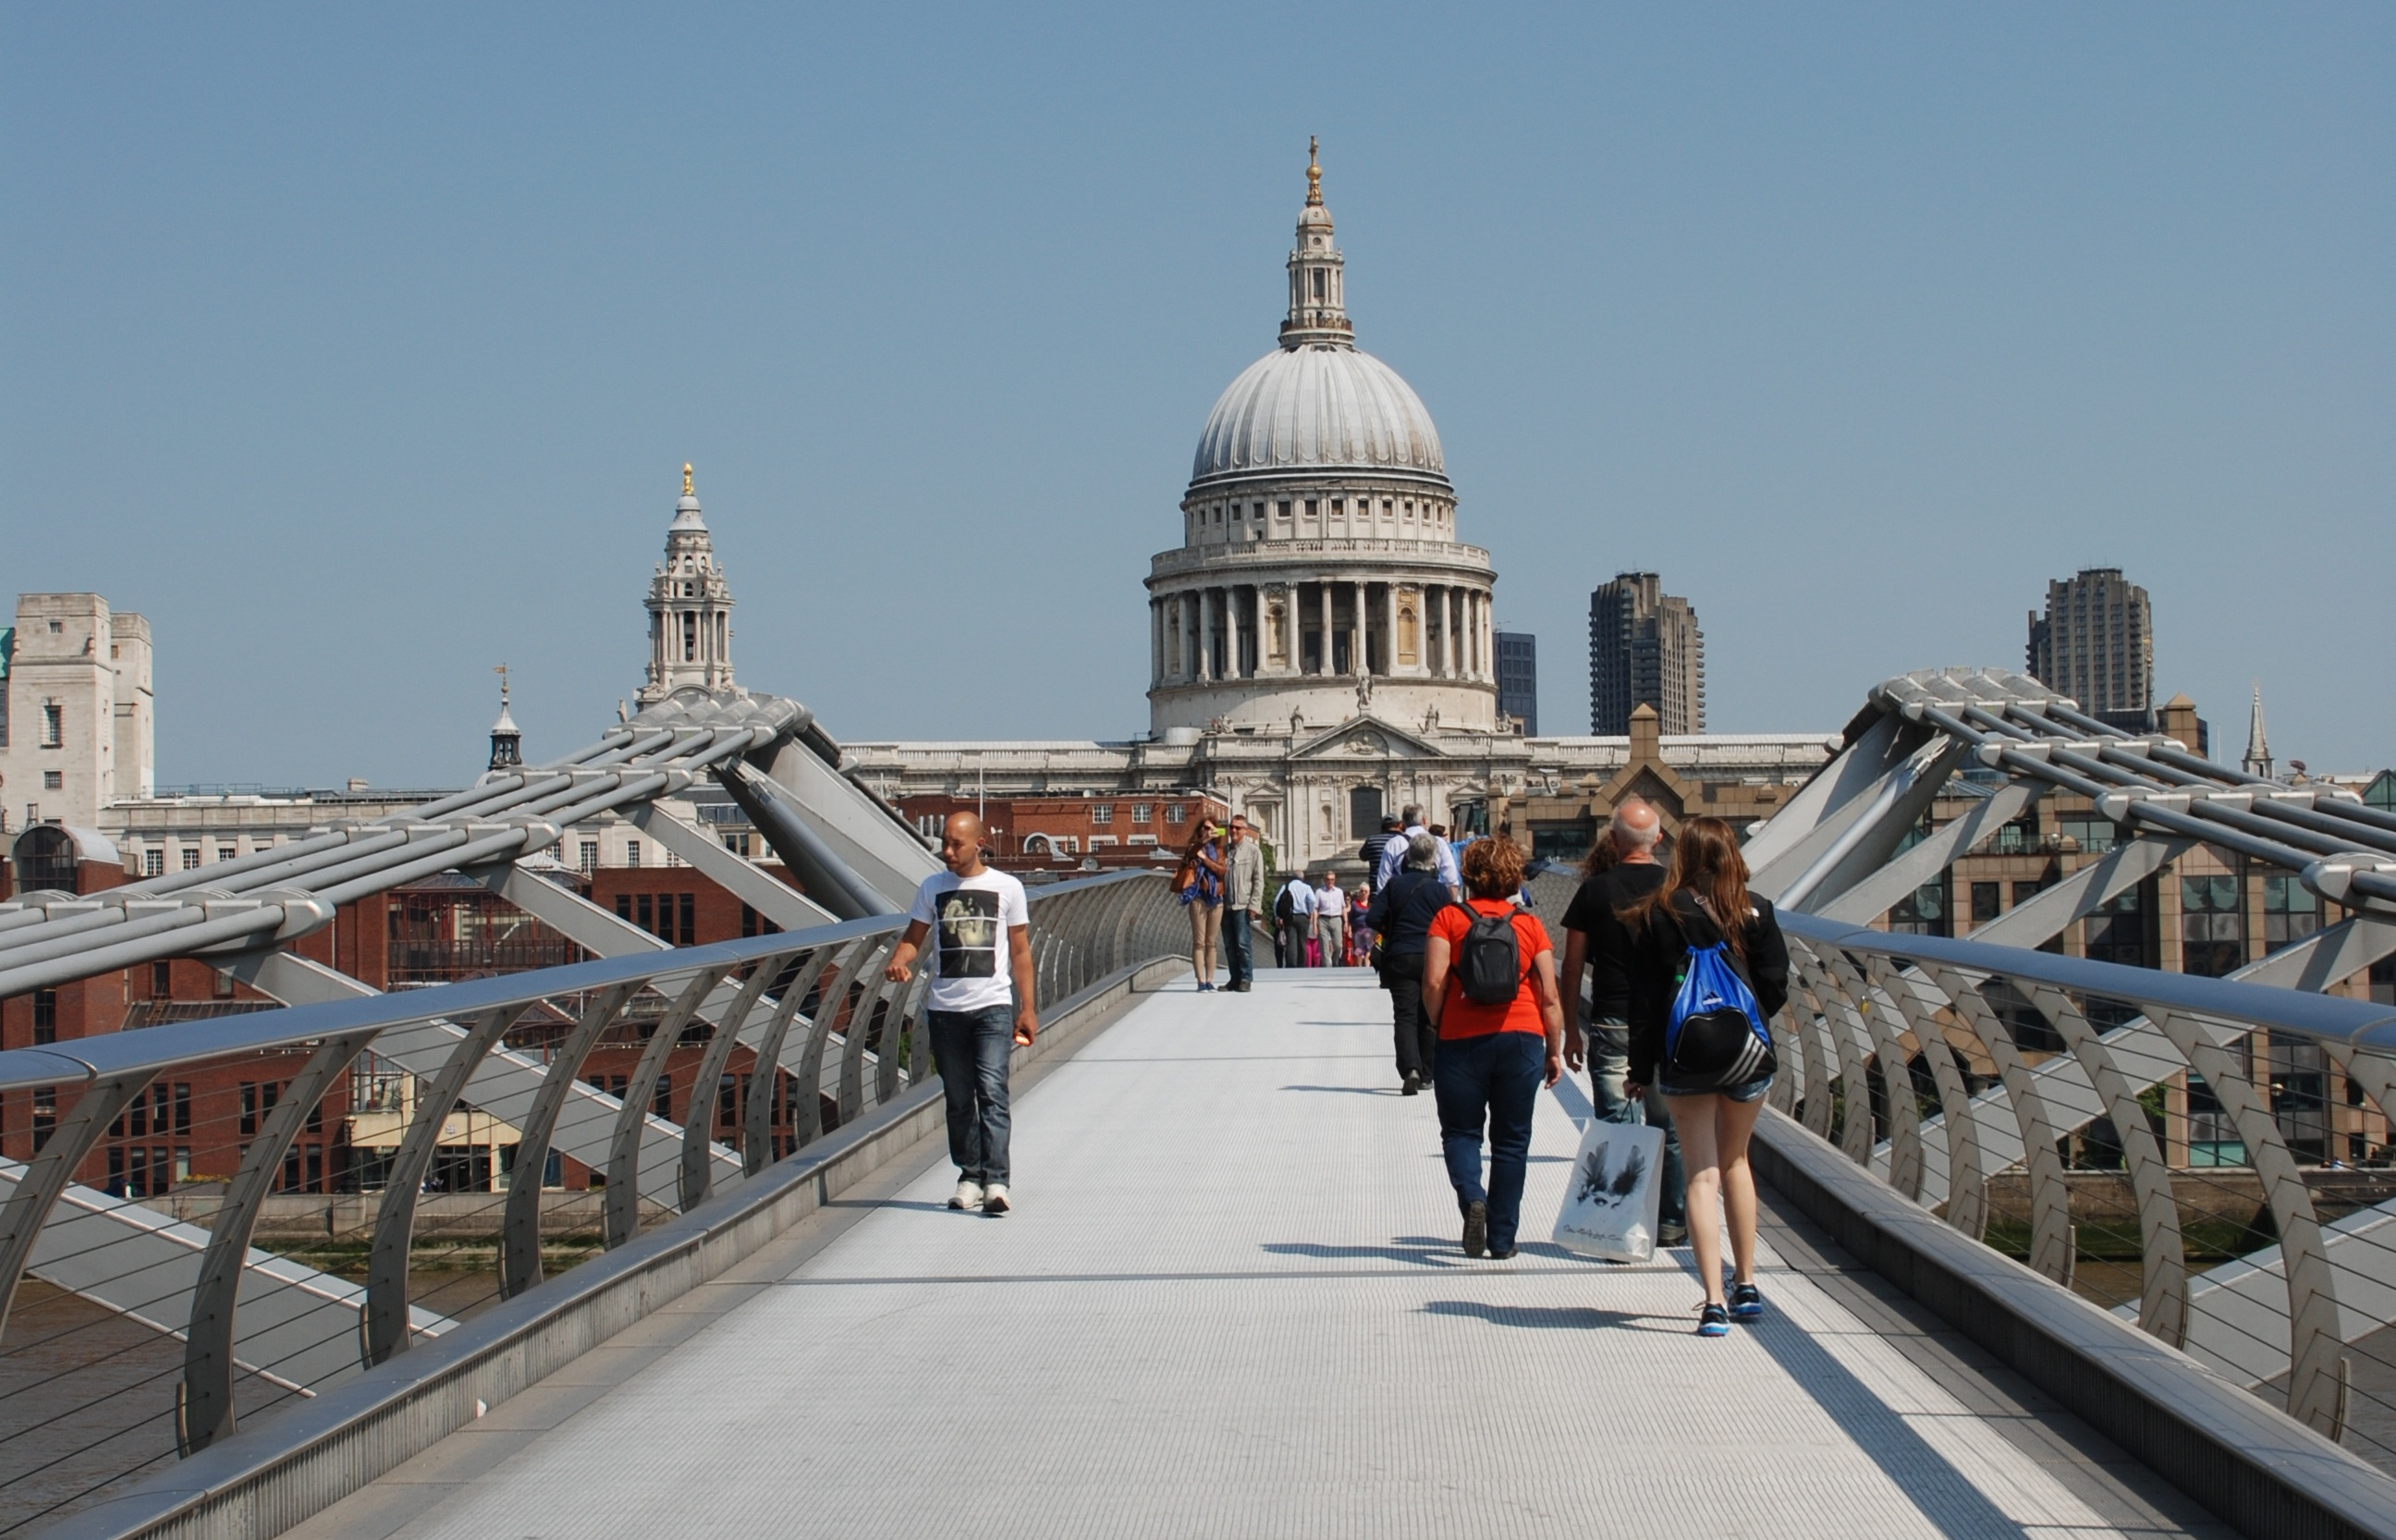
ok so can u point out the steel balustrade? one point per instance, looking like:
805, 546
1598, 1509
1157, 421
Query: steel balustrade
2209, 1021
1895, 997
839, 1029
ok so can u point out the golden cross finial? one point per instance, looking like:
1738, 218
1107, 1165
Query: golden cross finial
685, 479
1313, 173
502, 672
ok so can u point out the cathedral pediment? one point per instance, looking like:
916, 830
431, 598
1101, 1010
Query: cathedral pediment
1367, 737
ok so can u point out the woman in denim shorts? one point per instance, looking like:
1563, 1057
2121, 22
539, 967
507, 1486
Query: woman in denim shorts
1707, 879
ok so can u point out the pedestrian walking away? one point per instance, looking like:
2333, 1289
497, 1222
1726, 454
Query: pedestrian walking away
979, 1011
1622, 870
1199, 882
1400, 915
1701, 917
1489, 985
1331, 921
1293, 919
1375, 844
1244, 895
1393, 853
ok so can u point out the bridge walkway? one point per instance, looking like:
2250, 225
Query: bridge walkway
1232, 1303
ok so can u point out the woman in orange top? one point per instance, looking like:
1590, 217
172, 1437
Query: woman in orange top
1492, 1058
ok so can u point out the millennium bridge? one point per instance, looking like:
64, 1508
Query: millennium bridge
1231, 1301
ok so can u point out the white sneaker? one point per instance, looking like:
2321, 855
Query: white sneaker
993, 1198
970, 1195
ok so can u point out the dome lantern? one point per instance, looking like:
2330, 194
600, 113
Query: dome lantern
1318, 303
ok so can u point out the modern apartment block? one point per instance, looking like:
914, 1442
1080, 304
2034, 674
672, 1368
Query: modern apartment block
1518, 679
1644, 648
2096, 644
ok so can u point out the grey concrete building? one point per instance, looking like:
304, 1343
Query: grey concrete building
1645, 649
2096, 644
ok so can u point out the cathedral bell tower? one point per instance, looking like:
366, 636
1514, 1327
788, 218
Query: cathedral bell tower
690, 609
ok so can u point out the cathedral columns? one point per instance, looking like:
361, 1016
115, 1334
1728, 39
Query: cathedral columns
1205, 634
1155, 643
1389, 629
1328, 658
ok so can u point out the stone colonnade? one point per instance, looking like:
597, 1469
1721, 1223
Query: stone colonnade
1331, 627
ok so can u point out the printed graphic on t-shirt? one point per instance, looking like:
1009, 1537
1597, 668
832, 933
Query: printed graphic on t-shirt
968, 934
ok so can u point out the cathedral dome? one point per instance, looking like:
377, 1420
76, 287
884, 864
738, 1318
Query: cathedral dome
1318, 406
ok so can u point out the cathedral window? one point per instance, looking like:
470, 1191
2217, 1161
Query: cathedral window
689, 636
1310, 508
1219, 515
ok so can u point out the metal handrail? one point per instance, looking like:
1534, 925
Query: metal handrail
1082, 932
2359, 1023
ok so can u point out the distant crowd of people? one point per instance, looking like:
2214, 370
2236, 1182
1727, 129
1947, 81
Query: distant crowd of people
1480, 1013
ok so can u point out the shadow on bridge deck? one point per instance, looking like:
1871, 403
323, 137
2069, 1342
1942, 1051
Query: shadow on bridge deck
1231, 1303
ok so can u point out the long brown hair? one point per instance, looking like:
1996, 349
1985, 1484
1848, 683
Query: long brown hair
1706, 862
1603, 857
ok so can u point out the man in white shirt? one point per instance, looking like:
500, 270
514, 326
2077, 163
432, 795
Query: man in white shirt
1394, 853
1331, 921
976, 1018
1294, 912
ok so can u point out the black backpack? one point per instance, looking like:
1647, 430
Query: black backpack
1490, 965
1282, 911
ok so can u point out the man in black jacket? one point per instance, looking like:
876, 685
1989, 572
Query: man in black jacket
1401, 916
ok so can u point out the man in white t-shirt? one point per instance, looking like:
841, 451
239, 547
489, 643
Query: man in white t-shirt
977, 1018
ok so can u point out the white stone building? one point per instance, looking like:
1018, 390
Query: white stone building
1322, 645
1319, 575
78, 719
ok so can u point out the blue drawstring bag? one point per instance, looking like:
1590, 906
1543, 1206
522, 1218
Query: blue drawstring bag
1715, 1035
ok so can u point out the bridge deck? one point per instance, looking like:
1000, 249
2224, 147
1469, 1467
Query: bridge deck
1232, 1303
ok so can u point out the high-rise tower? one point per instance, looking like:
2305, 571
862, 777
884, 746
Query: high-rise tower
1645, 649
690, 609
2096, 644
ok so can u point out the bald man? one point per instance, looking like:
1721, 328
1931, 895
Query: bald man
1620, 872
976, 1018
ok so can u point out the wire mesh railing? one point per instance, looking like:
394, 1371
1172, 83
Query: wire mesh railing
227, 1216
2172, 1178
2180, 1150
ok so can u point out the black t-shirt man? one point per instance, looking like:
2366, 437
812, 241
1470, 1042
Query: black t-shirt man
1592, 912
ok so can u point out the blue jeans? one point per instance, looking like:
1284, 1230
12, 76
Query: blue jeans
971, 1049
1610, 1067
1239, 947
1496, 1077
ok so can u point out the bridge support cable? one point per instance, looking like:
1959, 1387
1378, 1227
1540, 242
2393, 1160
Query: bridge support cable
820, 868
734, 873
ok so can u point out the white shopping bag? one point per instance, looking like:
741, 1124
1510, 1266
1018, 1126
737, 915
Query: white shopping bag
1611, 1203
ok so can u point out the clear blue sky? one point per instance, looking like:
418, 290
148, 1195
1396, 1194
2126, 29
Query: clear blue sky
361, 348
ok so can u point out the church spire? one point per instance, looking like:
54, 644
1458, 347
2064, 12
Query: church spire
507, 741
690, 608
1318, 305
2259, 749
